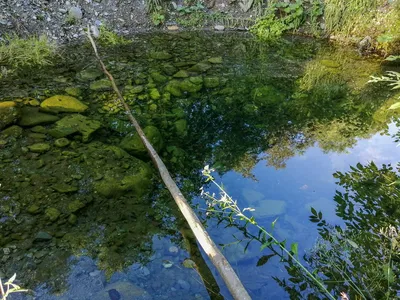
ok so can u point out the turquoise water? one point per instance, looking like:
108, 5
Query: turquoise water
84, 215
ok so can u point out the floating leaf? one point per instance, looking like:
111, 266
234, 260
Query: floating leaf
353, 244
264, 259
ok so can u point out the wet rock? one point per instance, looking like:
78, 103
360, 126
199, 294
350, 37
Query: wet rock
215, 60
252, 196
64, 188
133, 144
52, 214
9, 113
159, 78
39, 129
34, 102
72, 219
75, 206
61, 103
172, 28
189, 264
173, 250
75, 123
181, 74
181, 128
62, 142
188, 86
168, 69
101, 85
329, 63
154, 94
200, 67
12, 131
75, 13
39, 147
198, 80
160, 55
167, 264
211, 82
114, 294
30, 116
219, 27
43, 236
125, 289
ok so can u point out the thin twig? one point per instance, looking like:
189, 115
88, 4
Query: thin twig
226, 271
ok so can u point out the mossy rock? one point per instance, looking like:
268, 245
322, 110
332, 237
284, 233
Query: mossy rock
75, 123
168, 69
211, 82
12, 131
8, 114
64, 188
89, 74
52, 214
115, 184
73, 91
181, 74
61, 143
62, 103
160, 55
75, 206
154, 94
39, 147
158, 77
133, 144
198, 80
215, 60
101, 85
173, 87
30, 116
267, 95
200, 67
188, 86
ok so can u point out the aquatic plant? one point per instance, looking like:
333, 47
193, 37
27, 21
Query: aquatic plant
110, 38
9, 288
16, 52
392, 78
228, 206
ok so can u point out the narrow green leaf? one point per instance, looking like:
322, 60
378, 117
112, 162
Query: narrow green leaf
295, 249
395, 106
264, 259
313, 211
273, 223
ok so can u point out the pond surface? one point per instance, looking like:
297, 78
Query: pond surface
291, 128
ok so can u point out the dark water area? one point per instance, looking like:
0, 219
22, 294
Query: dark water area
292, 129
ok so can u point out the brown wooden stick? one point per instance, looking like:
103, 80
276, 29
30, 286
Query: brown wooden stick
226, 271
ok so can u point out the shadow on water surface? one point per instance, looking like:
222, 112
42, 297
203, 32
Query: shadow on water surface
275, 114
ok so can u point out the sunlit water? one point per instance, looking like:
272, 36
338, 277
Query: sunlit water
276, 121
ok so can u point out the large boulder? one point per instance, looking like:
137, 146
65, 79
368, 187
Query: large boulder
30, 116
133, 144
73, 124
9, 113
62, 103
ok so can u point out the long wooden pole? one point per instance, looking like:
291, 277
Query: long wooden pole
226, 271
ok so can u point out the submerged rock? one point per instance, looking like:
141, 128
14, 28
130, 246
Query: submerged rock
9, 113
211, 82
64, 188
124, 290
12, 131
30, 116
52, 214
270, 208
215, 60
133, 144
61, 103
160, 55
101, 85
181, 74
73, 91
159, 78
188, 86
75, 123
62, 142
173, 87
181, 128
43, 236
39, 147
154, 94
89, 74
200, 67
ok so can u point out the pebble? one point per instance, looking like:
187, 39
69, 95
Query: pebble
6, 251
173, 250
75, 13
219, 27
167, 264
145, 271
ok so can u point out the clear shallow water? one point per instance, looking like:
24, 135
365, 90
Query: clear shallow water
276, 121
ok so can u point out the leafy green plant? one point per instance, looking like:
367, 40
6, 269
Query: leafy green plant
268, 27
157, 18
230, 207
35, 51
153, 5
9, 287
392, 78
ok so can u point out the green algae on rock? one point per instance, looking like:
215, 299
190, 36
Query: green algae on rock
188, 86
61, 142
12, 131
30, 116
160, 55
101, 85
211, 81
52, 214
62, 103
9, 113
39, 147
64, 188
75, 123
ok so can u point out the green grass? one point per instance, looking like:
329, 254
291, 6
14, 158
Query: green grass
16, 52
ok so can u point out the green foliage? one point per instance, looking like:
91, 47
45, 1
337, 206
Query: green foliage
17, 53
157, 18
191, 15
110, 38
153, 5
